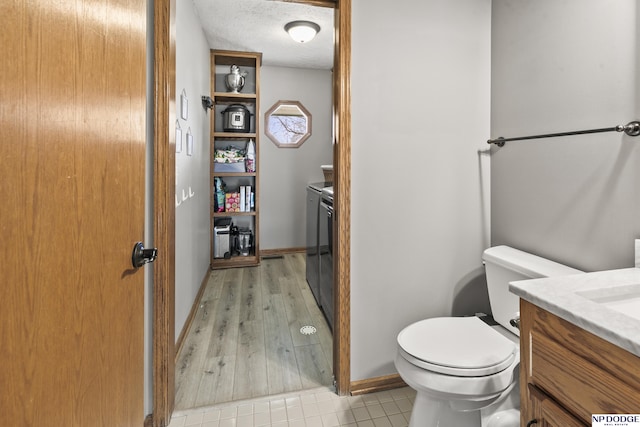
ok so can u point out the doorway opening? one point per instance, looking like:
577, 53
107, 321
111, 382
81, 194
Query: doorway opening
164, 293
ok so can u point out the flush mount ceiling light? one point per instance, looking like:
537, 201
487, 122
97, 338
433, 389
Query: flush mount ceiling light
302, 31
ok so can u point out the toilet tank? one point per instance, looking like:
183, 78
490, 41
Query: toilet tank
504, 264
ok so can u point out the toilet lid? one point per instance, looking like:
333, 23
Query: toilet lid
463, 346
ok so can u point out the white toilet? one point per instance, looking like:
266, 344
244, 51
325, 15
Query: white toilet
465, 372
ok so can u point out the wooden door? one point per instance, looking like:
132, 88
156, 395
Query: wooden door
72, 135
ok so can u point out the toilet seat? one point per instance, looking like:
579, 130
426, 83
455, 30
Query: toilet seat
457, 346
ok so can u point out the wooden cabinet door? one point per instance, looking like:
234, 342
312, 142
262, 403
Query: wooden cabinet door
72, 108
548, 413
554, 415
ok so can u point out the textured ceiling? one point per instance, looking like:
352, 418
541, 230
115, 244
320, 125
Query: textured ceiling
258, 26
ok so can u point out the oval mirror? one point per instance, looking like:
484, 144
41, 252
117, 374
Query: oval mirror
288, 124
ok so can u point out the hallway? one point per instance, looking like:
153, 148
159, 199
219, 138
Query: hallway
246, 341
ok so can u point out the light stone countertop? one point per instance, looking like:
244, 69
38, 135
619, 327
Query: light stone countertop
573, 298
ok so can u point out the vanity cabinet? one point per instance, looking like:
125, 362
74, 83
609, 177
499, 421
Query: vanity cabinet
238, 180
568, 374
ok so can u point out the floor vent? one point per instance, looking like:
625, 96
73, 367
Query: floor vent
308, 330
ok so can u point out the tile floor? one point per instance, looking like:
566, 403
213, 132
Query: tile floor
313, 408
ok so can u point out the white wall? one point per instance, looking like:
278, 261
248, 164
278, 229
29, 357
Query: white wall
192, 172
561, 66
285, 172
420, 113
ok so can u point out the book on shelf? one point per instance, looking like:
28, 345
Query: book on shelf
243, 199
247, 198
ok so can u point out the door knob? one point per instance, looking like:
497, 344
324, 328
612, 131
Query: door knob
142, 256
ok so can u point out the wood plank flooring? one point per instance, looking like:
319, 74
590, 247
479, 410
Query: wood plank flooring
245, 339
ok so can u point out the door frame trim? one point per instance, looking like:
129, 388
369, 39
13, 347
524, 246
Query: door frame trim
342, 189
164, 67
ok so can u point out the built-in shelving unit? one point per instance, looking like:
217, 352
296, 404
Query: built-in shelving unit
249, 97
